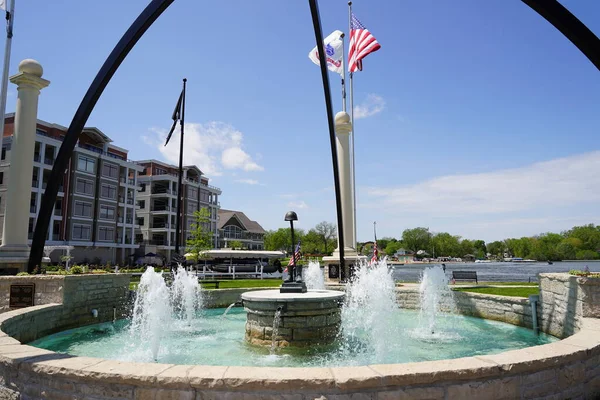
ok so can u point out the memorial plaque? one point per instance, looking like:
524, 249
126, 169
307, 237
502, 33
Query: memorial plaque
333, 271
21, 295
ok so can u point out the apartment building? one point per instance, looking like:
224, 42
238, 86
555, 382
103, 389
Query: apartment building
96, 206
235, 226
157, 201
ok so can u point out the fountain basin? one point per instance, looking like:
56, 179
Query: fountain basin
298, 319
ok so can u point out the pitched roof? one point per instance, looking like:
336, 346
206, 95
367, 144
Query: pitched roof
251, 226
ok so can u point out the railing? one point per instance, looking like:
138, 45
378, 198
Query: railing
102, 152
120, 220
58, 212
159, 225
36, 157
130, 201
162, 191
55, 237
32, 209
123, 179
34, 183
44, 184
161, 208
61, 188
49, 161
129, 220
121, 199
131, 181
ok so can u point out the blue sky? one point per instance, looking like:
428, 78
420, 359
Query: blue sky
480, 118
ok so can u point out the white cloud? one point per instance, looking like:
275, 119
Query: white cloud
556, 183
248, 181
297, 204
213, 146
373, 104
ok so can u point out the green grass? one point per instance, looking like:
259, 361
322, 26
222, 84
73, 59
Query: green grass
504, 291
247, 283
509, 283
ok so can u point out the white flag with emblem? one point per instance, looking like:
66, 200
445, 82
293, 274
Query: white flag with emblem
334, 47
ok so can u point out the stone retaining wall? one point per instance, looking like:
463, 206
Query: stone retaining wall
72, 303
48, 289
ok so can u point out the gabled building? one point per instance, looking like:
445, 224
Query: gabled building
236, 226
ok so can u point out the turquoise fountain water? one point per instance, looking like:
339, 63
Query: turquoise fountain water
375, 329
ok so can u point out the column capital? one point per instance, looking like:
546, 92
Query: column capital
30, 75
342, 123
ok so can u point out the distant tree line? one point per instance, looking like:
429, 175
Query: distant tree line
577, 243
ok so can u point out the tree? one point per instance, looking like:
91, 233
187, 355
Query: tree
236, 245
392, 247
444, 244
496, 248
327, 231
201, 236
312, 242
416, 239
281, 239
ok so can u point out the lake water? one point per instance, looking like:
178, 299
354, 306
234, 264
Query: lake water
501, 271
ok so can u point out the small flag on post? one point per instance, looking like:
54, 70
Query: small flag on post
362, 43
334, 52
176, 116
295, 257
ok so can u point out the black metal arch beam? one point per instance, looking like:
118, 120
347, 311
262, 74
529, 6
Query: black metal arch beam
571, 27
110, 66
551, 10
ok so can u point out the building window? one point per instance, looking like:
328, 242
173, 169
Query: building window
83, 209
106, 234
81, 232
107, 212
191, 207
1, 178
160, 171
110, 170
140, 221
193, 193
232, 232
84, 187
142, 204
108, 192
86, 164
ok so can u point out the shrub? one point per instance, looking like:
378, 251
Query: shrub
587, 274
23, 274
76, 270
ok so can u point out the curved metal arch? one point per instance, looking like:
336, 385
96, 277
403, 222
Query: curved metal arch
110, 66
551, 10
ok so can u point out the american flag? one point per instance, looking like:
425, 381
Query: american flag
296, 257
362, 43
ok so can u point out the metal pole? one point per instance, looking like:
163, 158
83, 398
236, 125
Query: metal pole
293, 271
352, 122
180, 178
10, 16
343, 76
316, 20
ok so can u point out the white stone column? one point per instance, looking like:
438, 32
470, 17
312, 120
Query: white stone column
16, 217
343, 127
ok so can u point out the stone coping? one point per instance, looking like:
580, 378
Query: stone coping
23, 358
312, 295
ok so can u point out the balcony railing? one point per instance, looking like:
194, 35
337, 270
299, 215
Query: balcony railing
44, 184
34, 183
163, 191
130, 201
129, 220
161, 208
36, 157
58, 212
49, 161
159, 225
100, 151
32, 209
123, 179
131, 181
55, 237
121, 199
120, 220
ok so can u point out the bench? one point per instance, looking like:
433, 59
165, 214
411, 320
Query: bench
216, 283
464, 276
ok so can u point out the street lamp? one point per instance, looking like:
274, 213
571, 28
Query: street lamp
294, 283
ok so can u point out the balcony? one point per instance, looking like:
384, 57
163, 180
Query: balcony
123, 179
55, 237
49, 160
32, 209
130, 201
129, 220
163, 191
131, 181
161, 208
34, 183
120, 220
58, 212
161, 225
121, 199
36, 157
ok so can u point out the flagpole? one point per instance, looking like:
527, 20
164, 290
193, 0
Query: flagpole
352, 122
180, 178
3, 92
343, 76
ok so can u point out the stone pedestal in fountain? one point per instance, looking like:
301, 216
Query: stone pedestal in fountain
303, 319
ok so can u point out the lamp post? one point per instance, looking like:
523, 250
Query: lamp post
294, 283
